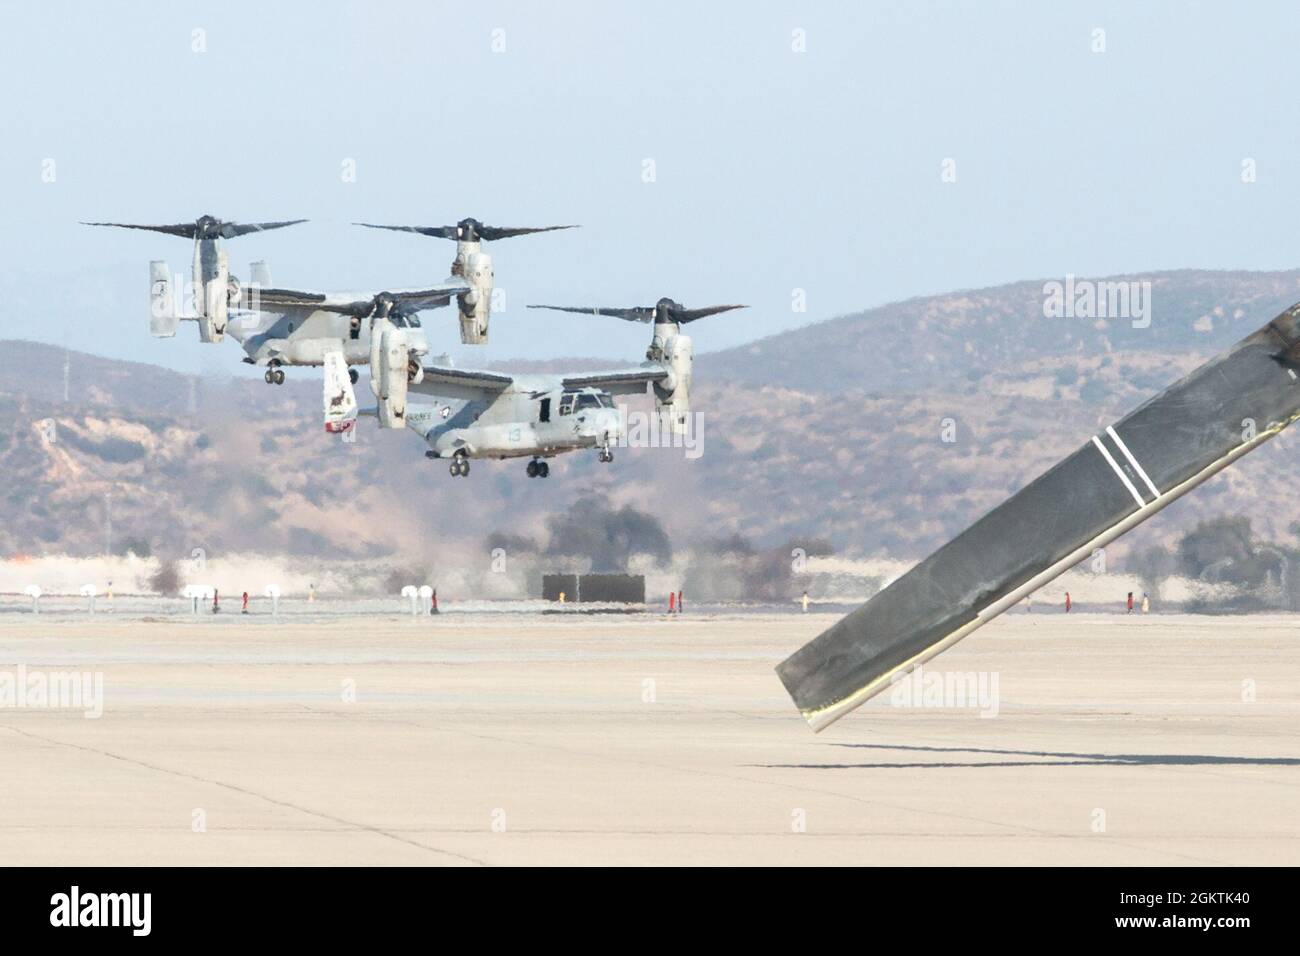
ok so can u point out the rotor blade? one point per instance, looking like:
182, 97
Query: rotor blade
491, 233
185, 230
1115, 481
229, 230
631, 315
690, 315
437, 232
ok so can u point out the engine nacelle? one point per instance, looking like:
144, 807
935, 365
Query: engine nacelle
673, 395
475, 266
216, 301
389, 357
163, 317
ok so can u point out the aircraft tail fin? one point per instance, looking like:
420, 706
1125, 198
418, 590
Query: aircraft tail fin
339, 398
163, 317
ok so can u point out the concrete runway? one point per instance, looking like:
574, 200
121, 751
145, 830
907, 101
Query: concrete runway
534, 739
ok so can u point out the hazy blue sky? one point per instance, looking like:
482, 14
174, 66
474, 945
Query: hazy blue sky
775, 169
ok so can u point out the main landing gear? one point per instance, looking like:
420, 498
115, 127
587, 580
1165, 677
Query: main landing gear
538, 469
274, 375
606, 454
459, 465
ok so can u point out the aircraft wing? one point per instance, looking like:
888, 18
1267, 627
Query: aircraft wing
449, 382
350, 303
1116, 480
620, 381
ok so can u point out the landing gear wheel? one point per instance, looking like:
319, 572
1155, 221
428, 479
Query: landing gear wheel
269, 376
606, 455
279, 376
459, 466
543, 470
353, 376
531, 469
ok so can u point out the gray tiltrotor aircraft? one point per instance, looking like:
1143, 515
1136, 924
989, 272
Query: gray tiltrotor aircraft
278, 327
473, 265
215, 289
464, 413
285, 327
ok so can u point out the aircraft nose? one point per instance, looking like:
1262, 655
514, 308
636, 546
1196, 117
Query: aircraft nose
598, 423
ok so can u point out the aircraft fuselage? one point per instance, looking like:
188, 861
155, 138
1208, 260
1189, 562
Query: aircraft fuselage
302, 336
536, 416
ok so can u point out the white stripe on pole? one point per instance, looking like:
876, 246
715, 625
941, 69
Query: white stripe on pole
1119, 471
1110, 430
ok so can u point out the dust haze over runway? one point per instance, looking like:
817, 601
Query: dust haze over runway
525, 738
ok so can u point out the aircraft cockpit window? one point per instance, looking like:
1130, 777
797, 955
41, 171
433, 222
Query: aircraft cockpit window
566, 405
588, 401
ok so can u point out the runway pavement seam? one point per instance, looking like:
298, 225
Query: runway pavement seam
1024, 830
235, 788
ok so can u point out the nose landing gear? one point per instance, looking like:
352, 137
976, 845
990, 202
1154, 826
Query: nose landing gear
538, 469
459, 465
274, 374
606, 454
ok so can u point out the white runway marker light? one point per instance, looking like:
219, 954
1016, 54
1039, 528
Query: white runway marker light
273, 592
196, 593
412, 594
33, 591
